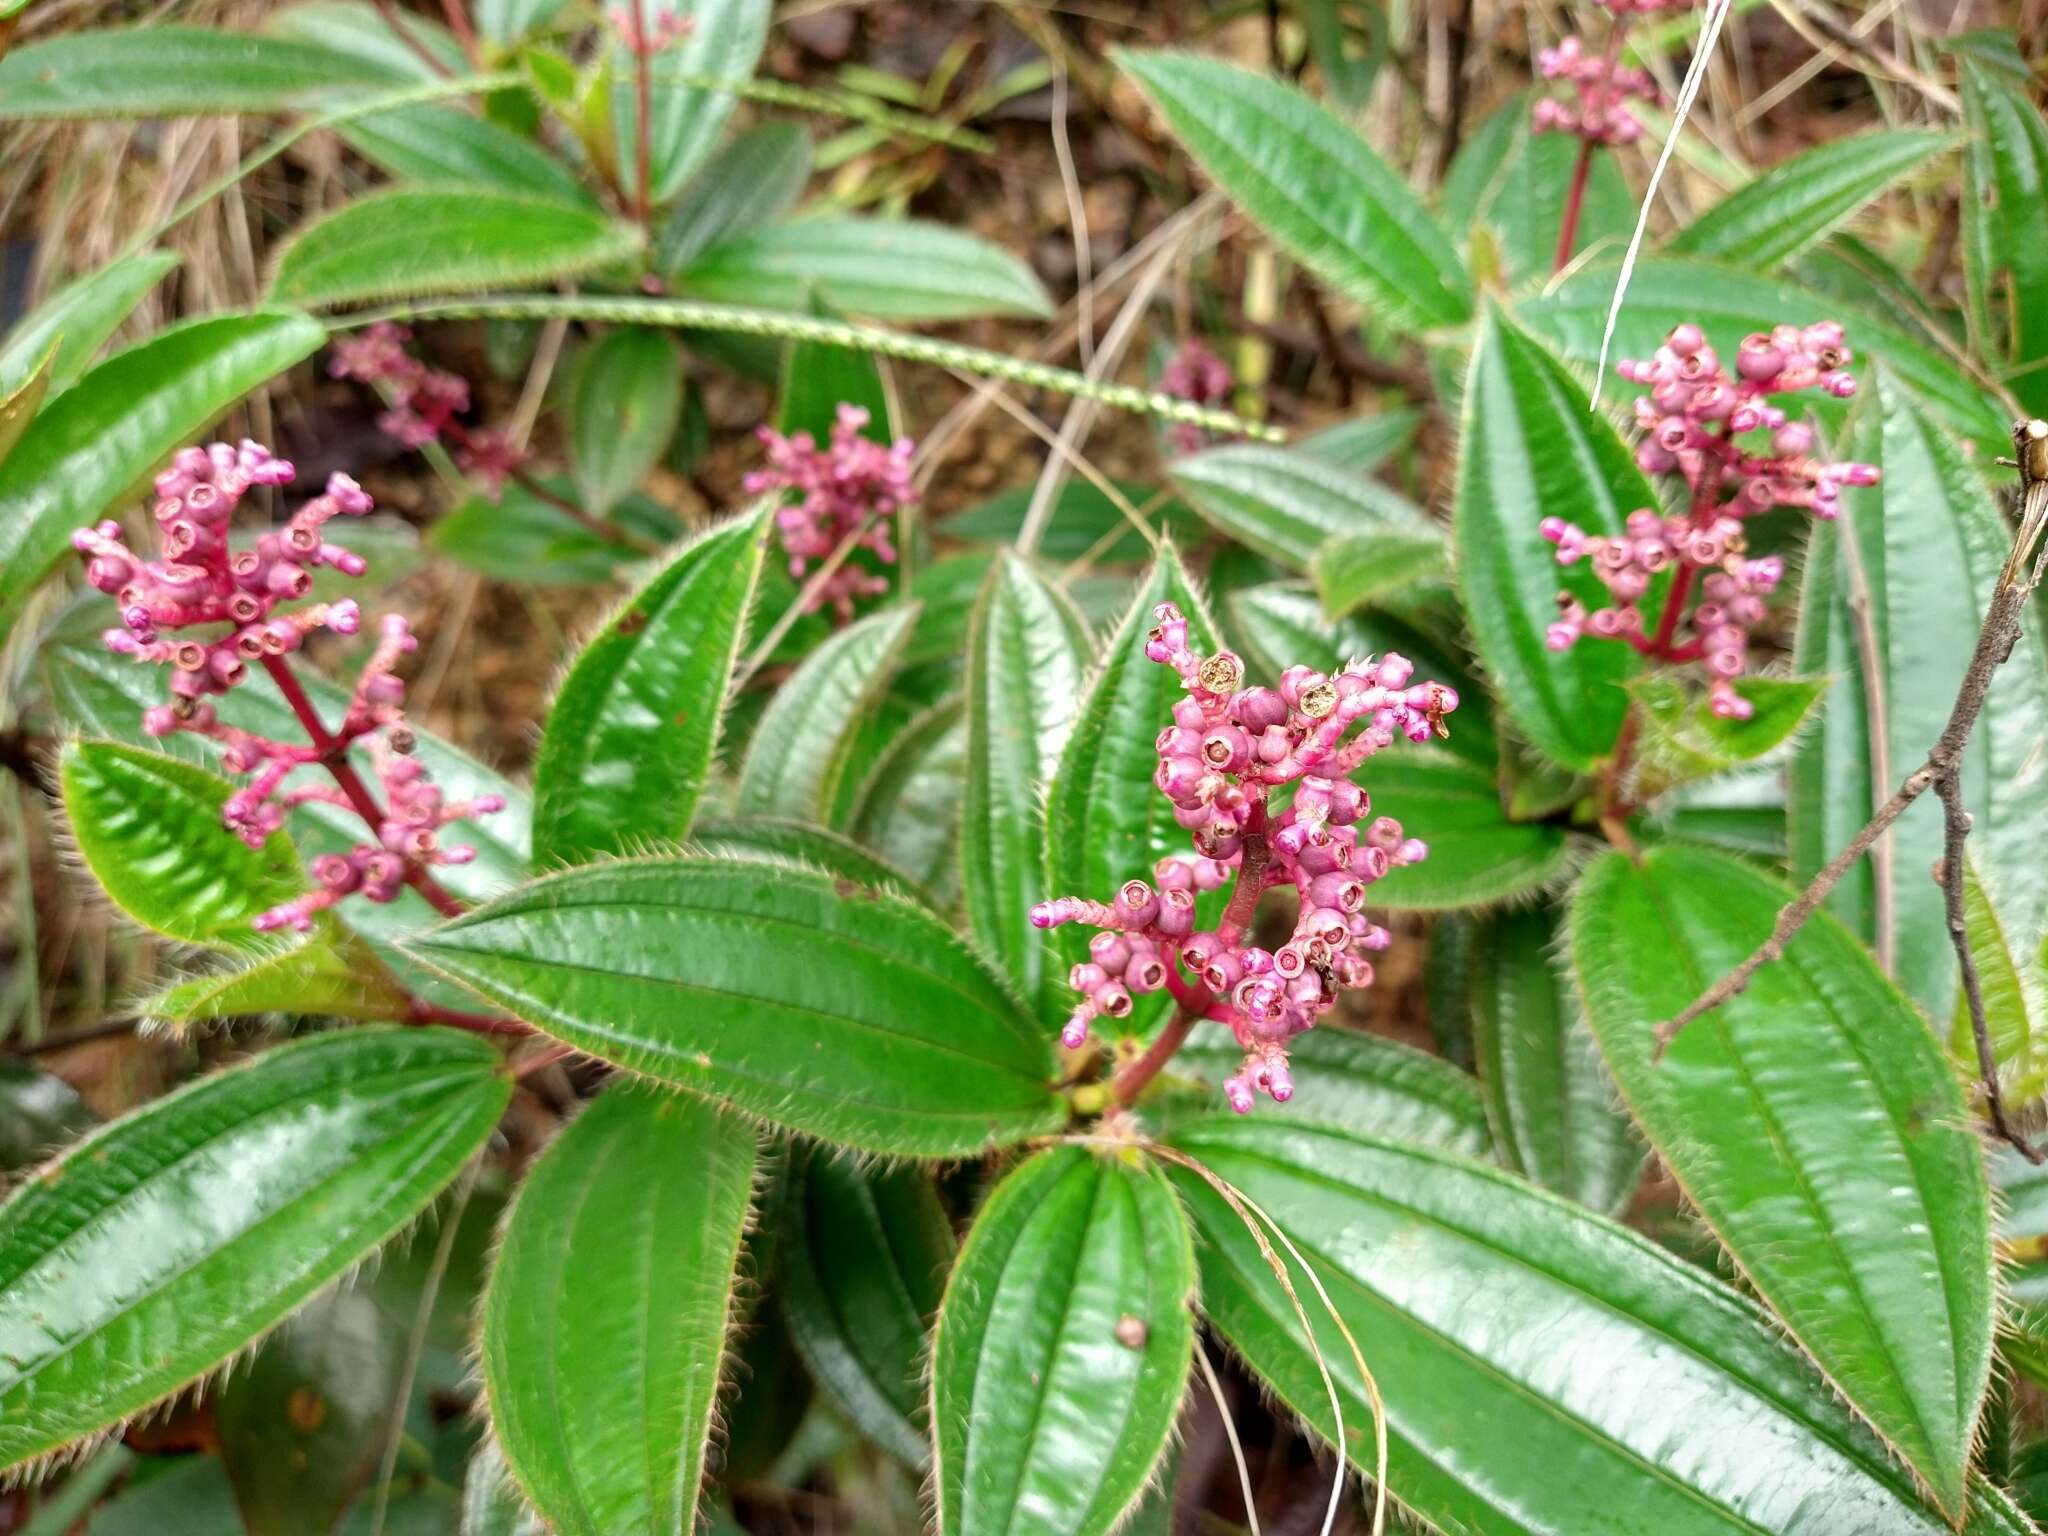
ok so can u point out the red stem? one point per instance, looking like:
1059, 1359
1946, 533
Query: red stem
465, 34
422, 1012
334, 755
643, 111
1574, 205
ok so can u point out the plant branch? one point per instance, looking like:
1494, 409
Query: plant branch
410, 38
1995, 642
643, 117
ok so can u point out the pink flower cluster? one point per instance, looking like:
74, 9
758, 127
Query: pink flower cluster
848, 490
1228, 749
425, 403
1196, 374
1603, 87
666, 25
201, 583
1693, 418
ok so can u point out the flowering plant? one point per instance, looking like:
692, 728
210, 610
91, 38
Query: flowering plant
1024, 976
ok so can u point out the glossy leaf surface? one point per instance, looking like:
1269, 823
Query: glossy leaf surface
1311, 184
633, 731
1532, 447
895, 269
208, 1216
1025, 661
1555, 1113
78, 318
409, 241
862, 1261
853, 1016
149, 828
525, 538
605, 1320
173, 71
1621, 1388
1287, 504
1063, 1347
101, 439
1477, 856
1815, 1123
771, 839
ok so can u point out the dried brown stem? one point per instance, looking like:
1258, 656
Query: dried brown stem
1940, 771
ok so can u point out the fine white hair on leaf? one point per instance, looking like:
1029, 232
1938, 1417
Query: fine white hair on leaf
1688, 90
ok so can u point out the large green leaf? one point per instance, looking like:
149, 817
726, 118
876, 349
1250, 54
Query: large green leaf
1817, 1126
1286, 504
847, 1014
1063, 1347
803, 749
1477, 856
772, 839
909, 808
605, 1321
1356, 1081
724, 42
894, 269
1532, 447
632, 733
1729, 302
414, 240
355, 28
1544, 1370
525, 538
2006, 219
1550, 1099
1105, 820
174, 72
101, 439
629, 397
207, 1217
333, 975
19, 405
148, 827
752, 181
1357, 570
78, 318
1312, 184
1928, 543
1025, 661
1771, 219
1514, 181
445, 147
862, 1258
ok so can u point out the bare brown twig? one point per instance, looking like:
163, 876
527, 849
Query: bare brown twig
1940, 772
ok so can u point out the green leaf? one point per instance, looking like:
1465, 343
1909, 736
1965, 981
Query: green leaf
1772, 218
100, 440
1313, 185
818, 379
521, 537
1473, 1297
506, 22
1355, 1081
1286, 504
1356, 570
1025, 664
492, 1504
412, 240
909, 807
1683, 739
332, 975
1533, 447
1084, 522
724, 42
804, 746
1549, 1097
1730, 302
632, 733
1477, 856
769, 839
1364, 443
355, 29
605, 1321
2015, 999
861, 1264
303, 1163
2007, 209
893, 269
1815, 1124
1063, 1347
18, 408
629, 397
1928, 543
174, 71
447, 147
41, 1113
849, 1015
1105, 820
752, 181
1513, 182
149, 828
79, 318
